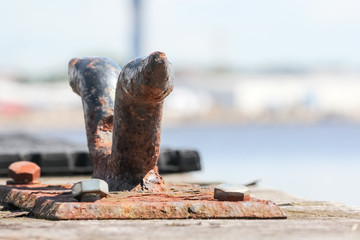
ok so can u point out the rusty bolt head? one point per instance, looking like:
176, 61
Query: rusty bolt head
90, 190
231, 192
24, 172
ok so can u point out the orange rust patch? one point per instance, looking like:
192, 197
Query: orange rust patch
160, 54
102, 101
91, 65
106, 124
73, 61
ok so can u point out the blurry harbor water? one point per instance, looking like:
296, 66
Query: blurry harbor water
318, 162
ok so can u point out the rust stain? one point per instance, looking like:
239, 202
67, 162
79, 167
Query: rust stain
142, 86
180, 201
102, 101
73, 62
93, 63
94, 79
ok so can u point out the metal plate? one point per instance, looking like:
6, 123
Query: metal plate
180, 202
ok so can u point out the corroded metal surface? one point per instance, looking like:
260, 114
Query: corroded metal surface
125, 158
94, 79
179, 202
143, 85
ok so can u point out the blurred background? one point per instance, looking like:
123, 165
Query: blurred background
264, 89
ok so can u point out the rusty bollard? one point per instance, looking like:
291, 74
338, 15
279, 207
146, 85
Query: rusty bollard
24, 172
142, 86
94, 79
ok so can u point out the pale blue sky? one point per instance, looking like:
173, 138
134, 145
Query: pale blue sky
39, 36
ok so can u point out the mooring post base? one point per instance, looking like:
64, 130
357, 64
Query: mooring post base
183, 201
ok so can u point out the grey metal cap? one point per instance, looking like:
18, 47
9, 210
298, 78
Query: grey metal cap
231, 192
96, 186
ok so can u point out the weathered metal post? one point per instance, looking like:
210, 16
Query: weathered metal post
126, 158
94, 79
143, 85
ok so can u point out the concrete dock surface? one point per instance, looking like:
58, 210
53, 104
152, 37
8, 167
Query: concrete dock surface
306, 220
